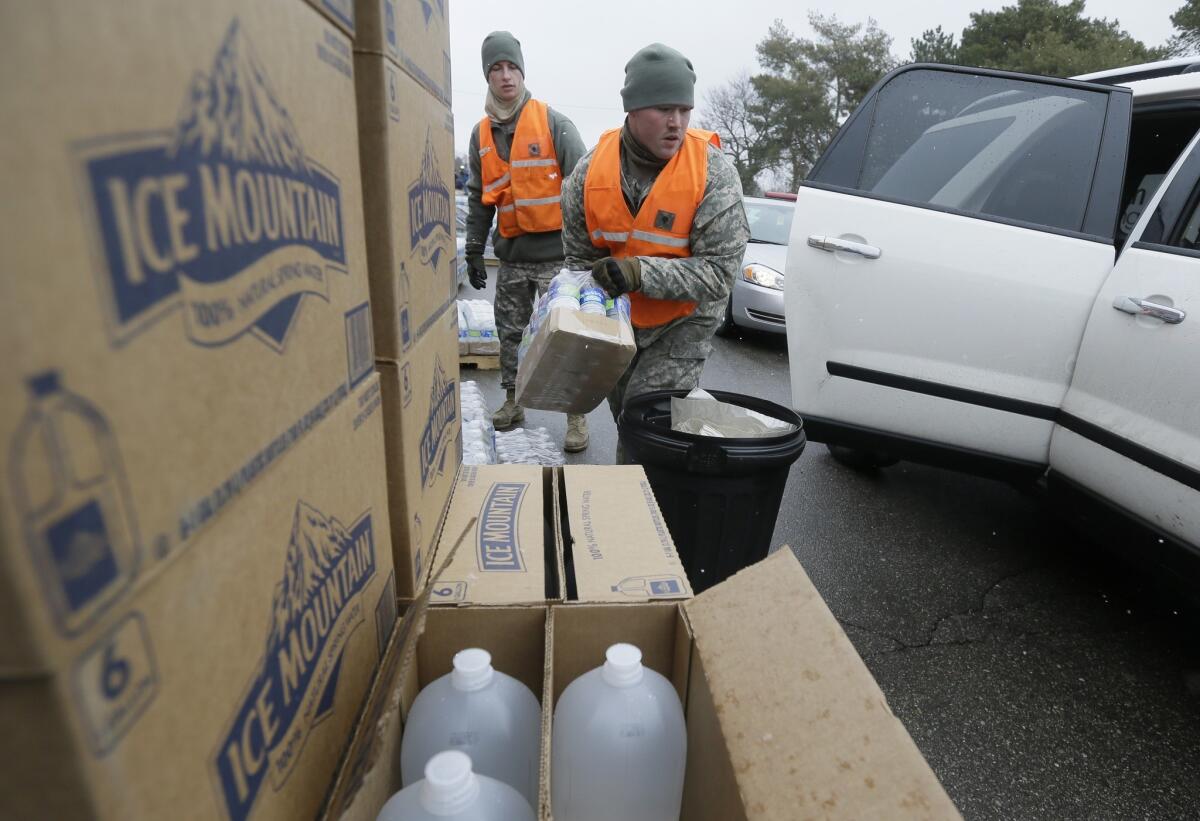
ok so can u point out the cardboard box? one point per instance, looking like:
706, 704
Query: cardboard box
227, 685
784, 719
510, 552
340, 12
186, 292
415, 36
574, 361
616, 546
588, 533
423, 426
407, 140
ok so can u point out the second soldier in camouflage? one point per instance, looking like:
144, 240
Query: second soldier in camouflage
517, 167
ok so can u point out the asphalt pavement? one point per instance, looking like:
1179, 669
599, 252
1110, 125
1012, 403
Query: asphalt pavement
1040, 677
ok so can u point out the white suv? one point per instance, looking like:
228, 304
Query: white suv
1000, 273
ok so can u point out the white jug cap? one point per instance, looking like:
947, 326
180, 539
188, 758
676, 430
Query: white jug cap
623, 665
449, 786
472, 670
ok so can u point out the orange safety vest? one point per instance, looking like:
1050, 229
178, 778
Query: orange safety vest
662, 226
525, 190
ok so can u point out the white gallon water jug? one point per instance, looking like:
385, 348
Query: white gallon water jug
619, 744
450, 791
484, 713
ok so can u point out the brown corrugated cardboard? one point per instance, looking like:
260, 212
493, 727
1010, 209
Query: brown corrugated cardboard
597, 528
574, 361
424, 447
617, 544
504, 557
407, 140
341, 12
414, 35
186, 290
807, 729
227, 685
784, 719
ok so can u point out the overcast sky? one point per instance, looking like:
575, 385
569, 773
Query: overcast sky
575, 53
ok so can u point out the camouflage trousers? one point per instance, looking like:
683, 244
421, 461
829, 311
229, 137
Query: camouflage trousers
672, 360
518, 284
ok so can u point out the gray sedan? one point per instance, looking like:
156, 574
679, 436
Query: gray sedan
756, 302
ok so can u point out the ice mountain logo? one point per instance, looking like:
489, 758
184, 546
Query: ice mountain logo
429, 210
435, 438
223, 216
314, 610
427, 9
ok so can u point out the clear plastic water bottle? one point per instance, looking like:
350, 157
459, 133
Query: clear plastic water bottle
592, 299
476, 710
619, 744
451, 791
564, 294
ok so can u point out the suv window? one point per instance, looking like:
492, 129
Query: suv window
1175, 224
983, 145
1156, 139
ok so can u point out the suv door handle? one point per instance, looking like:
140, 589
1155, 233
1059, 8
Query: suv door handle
1144, 307
831, 244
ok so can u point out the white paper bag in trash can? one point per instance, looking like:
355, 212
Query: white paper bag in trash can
702, 415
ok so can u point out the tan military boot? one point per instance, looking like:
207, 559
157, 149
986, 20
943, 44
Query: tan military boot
510, 412
577, 433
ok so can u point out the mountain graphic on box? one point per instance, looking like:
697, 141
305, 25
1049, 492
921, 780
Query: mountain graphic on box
232, 112
316, 545
315, 611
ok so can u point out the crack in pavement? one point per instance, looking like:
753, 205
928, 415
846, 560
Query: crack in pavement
988, 631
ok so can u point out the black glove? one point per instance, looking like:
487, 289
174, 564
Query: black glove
476, 271
618, 276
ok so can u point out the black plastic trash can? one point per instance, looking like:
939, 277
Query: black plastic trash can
719, 496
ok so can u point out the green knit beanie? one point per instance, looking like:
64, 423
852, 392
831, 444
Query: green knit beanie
501, 45
658, 75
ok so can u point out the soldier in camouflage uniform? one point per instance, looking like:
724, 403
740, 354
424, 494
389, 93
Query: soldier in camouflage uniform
658, 100
530, 260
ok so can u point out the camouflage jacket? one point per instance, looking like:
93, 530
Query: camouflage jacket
544, 247
717, 240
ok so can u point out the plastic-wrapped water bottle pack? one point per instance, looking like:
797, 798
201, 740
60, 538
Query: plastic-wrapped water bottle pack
477, 328
479, 444
527, 446
575, 291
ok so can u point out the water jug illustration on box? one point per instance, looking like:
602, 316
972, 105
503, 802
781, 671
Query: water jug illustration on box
650, 587
73, 499
222, 214
315, 609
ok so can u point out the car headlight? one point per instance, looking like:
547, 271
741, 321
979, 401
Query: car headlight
764, 276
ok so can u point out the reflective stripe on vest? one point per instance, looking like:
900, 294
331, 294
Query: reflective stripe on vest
663, 224
525, 190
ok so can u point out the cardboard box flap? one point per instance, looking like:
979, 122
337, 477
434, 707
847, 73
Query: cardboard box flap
615, 540
775, 657
509, 557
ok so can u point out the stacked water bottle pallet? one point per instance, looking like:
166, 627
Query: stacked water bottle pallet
478, 342
559, 574
483, 362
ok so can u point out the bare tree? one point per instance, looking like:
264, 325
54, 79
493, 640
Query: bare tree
728, 110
